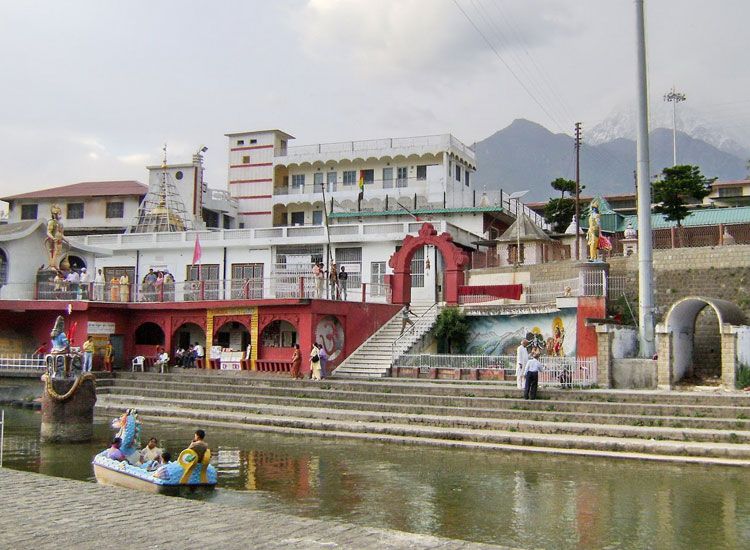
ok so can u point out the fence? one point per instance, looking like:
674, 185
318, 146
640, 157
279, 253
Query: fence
557, 371
549, 290
2, 435
279, 286
22, 361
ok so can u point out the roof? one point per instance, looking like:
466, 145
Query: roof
697, 218
86, 189
419, 211
731, 183
248, 132
528, 231
11, 231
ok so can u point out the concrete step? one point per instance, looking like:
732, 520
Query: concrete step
543, 442
457, 420
321, 399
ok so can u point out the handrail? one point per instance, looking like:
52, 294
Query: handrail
2, 435
421, 321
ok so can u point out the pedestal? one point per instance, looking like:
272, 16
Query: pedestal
593, 278
68, 409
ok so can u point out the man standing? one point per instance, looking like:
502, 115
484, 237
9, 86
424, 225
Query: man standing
317, 272
73, 281
333, 278
343, 276
88, 353
531, 372
199, 353
84, 281
109, 354
99, 285
522, 357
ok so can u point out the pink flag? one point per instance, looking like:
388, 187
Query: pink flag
197, 251
604, 243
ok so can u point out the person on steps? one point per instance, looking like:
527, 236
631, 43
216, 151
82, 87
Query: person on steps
315, 362
522, 357
405, 312
531, 372
296, 362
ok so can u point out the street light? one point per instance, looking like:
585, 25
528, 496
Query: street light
674, 97
517, 197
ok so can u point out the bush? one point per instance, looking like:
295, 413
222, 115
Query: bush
743, 377
451, 331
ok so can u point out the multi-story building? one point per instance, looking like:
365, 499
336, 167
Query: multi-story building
277, 184
87, 207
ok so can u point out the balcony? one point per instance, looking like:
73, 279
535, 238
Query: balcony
377, 148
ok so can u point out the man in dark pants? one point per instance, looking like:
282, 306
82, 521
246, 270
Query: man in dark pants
531, 371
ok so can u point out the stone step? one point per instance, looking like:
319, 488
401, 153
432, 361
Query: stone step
321, 400
460, 395
453, 421
542, 442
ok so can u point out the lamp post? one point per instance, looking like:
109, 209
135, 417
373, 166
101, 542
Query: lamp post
674, 97
517, 197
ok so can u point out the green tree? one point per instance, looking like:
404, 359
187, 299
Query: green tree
452, 330
559, 212
677, 185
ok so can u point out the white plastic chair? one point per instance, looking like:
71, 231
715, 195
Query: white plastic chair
138, 361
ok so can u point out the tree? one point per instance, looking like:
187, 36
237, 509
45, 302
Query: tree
559, 212
677, 185
452, 330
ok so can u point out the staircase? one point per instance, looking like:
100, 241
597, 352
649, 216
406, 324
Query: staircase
373, 358
666, 426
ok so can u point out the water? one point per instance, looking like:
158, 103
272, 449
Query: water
513, 499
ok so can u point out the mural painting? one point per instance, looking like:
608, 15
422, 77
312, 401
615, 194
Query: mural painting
330, 332
554, 333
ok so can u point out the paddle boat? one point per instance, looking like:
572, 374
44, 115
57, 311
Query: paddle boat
185, 475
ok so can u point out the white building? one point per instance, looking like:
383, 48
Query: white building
87, 207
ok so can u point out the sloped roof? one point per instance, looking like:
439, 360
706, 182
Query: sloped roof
697, 218
86, 189
527, 231
11, 231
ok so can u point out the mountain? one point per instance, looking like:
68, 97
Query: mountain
525, 155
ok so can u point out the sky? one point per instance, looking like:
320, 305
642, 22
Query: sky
92, 89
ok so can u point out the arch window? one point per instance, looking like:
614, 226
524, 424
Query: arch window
149, 334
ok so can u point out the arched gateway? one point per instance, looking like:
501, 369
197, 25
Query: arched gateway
677, 338
454, 258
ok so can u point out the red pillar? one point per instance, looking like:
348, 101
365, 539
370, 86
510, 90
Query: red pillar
400, 290
454, 278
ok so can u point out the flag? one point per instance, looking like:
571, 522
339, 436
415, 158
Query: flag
197, 255
604, 243
361, 185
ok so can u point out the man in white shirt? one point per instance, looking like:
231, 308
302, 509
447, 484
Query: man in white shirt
522, 357
199, 353
84, 280
531, 372
99, 285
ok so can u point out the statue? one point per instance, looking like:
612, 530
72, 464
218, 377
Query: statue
594, 232
55, 240
130, 427
60, 342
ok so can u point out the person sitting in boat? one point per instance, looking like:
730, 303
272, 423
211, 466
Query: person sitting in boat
198, 445
161, 469
114, 451
151, 452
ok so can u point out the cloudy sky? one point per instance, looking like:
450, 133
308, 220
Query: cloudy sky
91, 89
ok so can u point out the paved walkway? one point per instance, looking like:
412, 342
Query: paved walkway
46, 512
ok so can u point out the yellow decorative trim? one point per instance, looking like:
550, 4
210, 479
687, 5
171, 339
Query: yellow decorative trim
56, 396
251, 311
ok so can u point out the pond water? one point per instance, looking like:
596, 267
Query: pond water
513, 499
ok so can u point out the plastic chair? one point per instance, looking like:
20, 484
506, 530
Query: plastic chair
138, 361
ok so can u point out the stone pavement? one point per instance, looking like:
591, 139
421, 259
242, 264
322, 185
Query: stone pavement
46, 512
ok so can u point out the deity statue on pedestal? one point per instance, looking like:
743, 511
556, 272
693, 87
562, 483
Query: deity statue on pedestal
55, 241
594, 231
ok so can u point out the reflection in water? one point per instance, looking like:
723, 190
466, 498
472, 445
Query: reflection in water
512, 499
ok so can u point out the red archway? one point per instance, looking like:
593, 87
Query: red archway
454, 258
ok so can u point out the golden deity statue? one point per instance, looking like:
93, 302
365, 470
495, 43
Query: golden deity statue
55, 240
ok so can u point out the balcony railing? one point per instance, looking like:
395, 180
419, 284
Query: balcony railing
279, 286
434, 143
434, 182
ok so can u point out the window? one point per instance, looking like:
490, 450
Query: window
3, 268
209, 290
298, 218
377, 279
317, 217
245, 159
417, 269
402, 176
422, 172
178, 175
350, 177
247, 281
318, 182
466, 178
298, 181
387, 178
512, 252
458, 173
75, 211
208, 272
253, 141
351, 260
240, 142
368, 176
28, 211
115, 210
283, 218
331, 181
730, 192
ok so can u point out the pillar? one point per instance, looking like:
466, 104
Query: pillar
728, 358
68, 409
664, 362
604, 356
454, 278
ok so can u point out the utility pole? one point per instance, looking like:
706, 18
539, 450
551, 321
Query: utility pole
645, 245
578, 190
674, 97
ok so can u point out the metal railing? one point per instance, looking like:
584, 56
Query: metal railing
548, 291
375, 185
557, 371
2, 435
22, 361
279, 286
421, 326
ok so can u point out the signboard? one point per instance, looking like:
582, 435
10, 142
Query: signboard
231, 360
100, 327
215, 352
